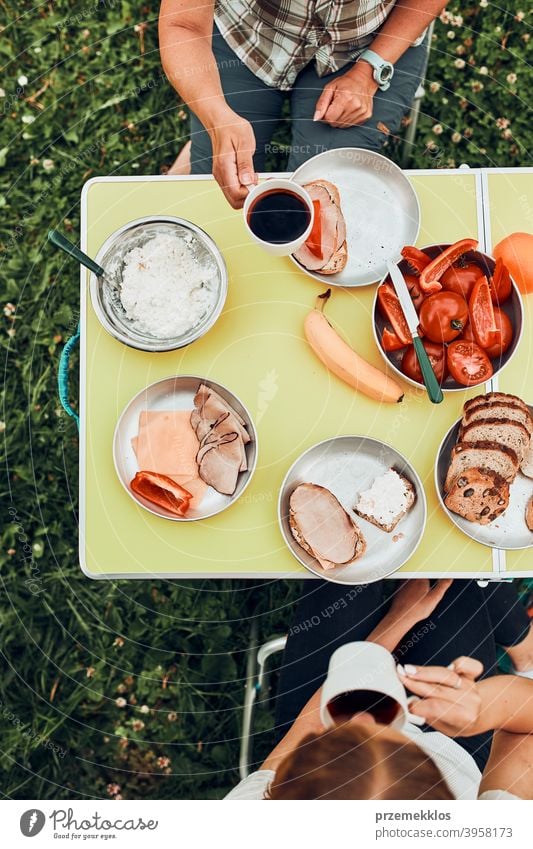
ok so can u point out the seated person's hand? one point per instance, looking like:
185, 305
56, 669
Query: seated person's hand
233, 144
348, 99
416, 599
448, 697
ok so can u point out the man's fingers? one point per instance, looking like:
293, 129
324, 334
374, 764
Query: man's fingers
225, 172
323, 102
468, 667
440, 588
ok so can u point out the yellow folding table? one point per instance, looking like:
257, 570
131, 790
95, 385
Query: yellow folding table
257, 349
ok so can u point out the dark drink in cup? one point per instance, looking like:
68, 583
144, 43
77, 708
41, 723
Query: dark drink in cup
383, 708
278, 217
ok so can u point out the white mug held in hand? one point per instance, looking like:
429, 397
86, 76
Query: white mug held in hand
279, 215
362, 677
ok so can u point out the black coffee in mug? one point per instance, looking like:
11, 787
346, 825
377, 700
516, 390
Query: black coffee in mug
278, 216
383, 708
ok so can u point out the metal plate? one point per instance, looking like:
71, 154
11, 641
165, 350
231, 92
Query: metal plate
380, 207
509, 531
513, 307
347, 465
177, 393
105, 291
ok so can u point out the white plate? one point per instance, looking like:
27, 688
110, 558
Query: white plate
380, 207
509, 531
177, 393
347, 465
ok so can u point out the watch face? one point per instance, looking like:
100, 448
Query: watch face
385, 73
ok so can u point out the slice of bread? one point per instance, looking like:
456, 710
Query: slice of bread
505, 432
478, 495
338, 260
526, 466
494, 398
488, 455
500, 410
529, 514
387, 501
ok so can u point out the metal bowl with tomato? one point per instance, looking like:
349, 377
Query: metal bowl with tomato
468, 339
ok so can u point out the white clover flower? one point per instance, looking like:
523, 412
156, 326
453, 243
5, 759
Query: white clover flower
2, 92
22, 80
458, 21
137, 725
438, 129
503, 123
459, 63
456, 137
48, 164
484, 70
460, 50
144, 709
483, 3
520, 16
511, 78
37, 49
434, 87
2, 427
507, 134
450, 34
477, 86
28, 119
120, 702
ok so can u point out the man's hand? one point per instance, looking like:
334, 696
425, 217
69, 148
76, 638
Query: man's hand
233, 143
449, 698
348, 99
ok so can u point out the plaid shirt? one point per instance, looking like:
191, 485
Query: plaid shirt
277, 40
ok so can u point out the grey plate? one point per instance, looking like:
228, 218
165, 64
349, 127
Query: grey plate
513, 307
346, 465
380, 207
105, 291
509, 531
177, 393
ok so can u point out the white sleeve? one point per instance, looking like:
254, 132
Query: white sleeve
490, 795
253, 787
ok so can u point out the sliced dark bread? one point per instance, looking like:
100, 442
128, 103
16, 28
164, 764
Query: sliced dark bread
478, 495
494, 398
512, 434
526, 466
500, 410
488, 455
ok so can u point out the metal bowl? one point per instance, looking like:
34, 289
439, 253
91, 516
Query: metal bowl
380, 207
346, 465
509, 531
177, 393
513, 307
105, 291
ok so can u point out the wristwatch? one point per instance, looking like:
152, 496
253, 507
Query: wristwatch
383, 70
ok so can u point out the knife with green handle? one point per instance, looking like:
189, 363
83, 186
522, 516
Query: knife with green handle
400, 286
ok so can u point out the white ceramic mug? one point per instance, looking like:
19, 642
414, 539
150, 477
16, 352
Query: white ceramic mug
279, 184
365, 666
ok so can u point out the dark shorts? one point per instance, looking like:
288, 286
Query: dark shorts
262, 105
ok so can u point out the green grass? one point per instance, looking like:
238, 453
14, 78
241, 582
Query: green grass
95, 103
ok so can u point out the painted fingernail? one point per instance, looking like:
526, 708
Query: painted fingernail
451, 667
410, 669
316, 116
400, 670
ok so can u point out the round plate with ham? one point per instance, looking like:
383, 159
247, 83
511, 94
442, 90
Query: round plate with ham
185, 448
320, 525
369, 211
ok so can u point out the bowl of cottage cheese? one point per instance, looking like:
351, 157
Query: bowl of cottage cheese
164, 286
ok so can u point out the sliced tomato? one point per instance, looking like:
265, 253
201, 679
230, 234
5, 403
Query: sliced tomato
468, 364
416, 258
500, 283
390, 308
163, 491
314, 240
443, 316
460, 278
389, 340
482, 315
431, 274
437, 358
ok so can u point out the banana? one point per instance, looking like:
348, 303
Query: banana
343, 361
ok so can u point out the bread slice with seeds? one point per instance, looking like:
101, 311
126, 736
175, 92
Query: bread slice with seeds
478, 495
494, 398
489, 455
500, 410
512, 434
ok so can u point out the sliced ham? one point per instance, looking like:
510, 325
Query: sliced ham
333, 228
321, 525
220, 463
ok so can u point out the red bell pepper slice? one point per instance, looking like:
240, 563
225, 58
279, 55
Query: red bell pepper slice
163, 491
390, 307
314, 240
389, 340
482, 321
416, 258
500, 283
429, 277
